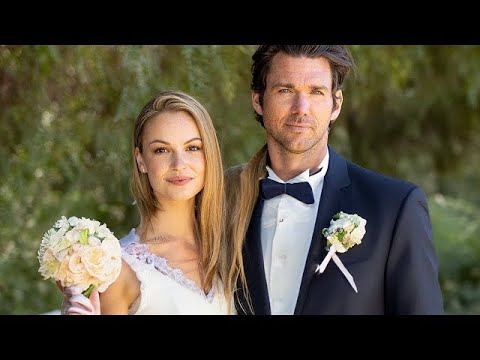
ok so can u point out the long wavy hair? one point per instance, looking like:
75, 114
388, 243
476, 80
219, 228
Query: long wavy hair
242, 192
209, 202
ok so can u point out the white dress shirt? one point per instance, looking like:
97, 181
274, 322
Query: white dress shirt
286, 232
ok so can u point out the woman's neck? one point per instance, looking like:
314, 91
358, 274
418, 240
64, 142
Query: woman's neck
176, 221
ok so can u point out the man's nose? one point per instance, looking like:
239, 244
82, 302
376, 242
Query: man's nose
301, 104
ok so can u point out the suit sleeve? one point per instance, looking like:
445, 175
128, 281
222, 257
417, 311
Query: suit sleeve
412, 285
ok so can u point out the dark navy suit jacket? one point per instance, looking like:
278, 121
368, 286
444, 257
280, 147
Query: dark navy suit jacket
395, 267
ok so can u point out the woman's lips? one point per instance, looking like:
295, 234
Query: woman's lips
179, 180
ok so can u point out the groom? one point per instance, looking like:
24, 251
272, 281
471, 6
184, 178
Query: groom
294, 185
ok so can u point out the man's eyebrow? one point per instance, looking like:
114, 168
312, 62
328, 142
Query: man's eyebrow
282, 84
291, 86
319, 87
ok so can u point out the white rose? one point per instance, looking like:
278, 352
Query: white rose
84, 223
94, 241
111, 246
337, 244
60, 248
78, 273
49, 264
73, 235
103, 231
358, 234
73, 220
63, 273
61, 222
103, 265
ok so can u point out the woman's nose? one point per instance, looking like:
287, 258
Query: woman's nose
178, 161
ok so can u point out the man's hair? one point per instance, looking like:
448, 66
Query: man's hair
338, 56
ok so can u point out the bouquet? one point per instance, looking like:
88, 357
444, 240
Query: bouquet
345, 231
81, 253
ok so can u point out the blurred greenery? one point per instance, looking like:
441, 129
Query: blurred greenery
66, 114
455, 227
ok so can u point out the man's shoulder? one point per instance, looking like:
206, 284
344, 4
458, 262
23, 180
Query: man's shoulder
378, 180
365, 176
389, 190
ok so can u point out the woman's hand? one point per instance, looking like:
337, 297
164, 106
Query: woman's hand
77, 304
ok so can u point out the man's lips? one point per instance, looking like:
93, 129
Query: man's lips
298, 126
304, 122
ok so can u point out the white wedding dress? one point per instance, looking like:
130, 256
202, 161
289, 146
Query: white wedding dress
165, 290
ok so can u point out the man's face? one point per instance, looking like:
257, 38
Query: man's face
298, 103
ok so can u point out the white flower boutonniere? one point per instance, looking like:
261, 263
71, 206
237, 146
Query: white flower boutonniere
345, 231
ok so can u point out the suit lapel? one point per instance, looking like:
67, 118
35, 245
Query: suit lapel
253, 262
333, 199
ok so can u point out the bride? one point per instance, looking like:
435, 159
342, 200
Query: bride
176, 261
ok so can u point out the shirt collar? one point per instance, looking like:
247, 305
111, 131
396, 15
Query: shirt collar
313, 180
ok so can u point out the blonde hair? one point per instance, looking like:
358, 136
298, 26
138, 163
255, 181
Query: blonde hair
242, 193
209, 202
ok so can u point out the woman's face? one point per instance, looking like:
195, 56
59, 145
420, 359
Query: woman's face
173, 156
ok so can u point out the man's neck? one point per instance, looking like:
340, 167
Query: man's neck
287, 165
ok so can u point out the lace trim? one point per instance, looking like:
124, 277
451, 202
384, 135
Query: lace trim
140, 252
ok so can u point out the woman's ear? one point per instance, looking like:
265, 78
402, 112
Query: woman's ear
140, 163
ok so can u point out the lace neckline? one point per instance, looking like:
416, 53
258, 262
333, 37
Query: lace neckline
141, 252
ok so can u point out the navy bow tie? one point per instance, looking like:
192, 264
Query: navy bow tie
301, 191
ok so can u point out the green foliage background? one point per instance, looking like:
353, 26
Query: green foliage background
66, 115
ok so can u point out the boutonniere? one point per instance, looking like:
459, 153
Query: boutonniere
345, 231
